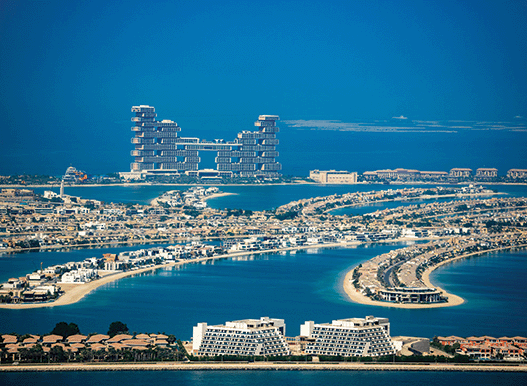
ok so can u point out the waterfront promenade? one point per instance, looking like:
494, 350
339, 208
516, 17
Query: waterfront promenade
271, 366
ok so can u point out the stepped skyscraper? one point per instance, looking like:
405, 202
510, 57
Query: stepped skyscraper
160, 151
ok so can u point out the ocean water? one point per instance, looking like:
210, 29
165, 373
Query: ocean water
301, 286
253, 197
306, 285
483, 144
263, 378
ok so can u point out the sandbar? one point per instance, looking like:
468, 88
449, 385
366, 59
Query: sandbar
453, 300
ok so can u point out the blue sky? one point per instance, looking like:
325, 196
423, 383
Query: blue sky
71, 70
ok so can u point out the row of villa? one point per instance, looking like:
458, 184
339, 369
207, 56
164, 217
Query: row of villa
73, 344
488, 347
401, 174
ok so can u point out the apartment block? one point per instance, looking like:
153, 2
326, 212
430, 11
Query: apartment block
356, 337
247, 337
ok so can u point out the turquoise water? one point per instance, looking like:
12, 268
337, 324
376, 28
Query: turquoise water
247, 197
263, 378
297, 287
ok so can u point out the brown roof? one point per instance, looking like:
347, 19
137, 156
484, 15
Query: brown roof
76, 338
30, 340
51, 338
135, 342
9, 338
77, 345
59, 345
98, 338
119, 337
143, 336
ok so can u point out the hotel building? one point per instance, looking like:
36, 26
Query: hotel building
159, 150
411, 295
247, 337
487, 173
333, 176
368, 337
460, 173
517, 173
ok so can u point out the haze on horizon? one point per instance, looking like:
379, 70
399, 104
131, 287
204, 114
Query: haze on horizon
70, 71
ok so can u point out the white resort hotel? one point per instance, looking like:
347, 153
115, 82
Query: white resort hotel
262, 337
354, 337
368, 337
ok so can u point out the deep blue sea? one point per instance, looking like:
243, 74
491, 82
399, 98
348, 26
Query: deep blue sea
306, 285
264, 378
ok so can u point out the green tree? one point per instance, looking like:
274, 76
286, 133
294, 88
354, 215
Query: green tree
64, 329
117, 328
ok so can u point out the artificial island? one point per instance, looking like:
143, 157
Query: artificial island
475, 221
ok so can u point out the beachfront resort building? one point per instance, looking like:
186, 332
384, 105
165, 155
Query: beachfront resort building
417, 295
517, 173
247, 337
159, 150
487, 173
357, 337
460, 173
333, 176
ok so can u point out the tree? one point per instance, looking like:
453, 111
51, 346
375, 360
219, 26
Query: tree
117, 328
64, 329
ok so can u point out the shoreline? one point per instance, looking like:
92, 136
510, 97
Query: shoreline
51, 186
264, 366
453, 300
417, 199
75, 292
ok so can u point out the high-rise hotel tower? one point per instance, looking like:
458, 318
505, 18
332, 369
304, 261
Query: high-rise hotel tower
159, 150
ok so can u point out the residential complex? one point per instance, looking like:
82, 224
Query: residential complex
160, 151
262, 337
333, 176
355, 337
488, 347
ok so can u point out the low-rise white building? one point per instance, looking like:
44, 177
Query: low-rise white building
333, 176
247, 337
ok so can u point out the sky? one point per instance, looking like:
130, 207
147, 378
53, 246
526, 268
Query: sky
71, 70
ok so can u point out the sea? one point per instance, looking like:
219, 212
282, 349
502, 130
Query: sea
301, 286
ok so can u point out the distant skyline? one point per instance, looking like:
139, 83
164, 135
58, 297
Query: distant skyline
70, 71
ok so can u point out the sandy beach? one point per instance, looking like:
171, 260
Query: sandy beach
271, 366
453, 300
75, 292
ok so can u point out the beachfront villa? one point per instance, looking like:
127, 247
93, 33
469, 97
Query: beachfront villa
261, 337
353, 337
